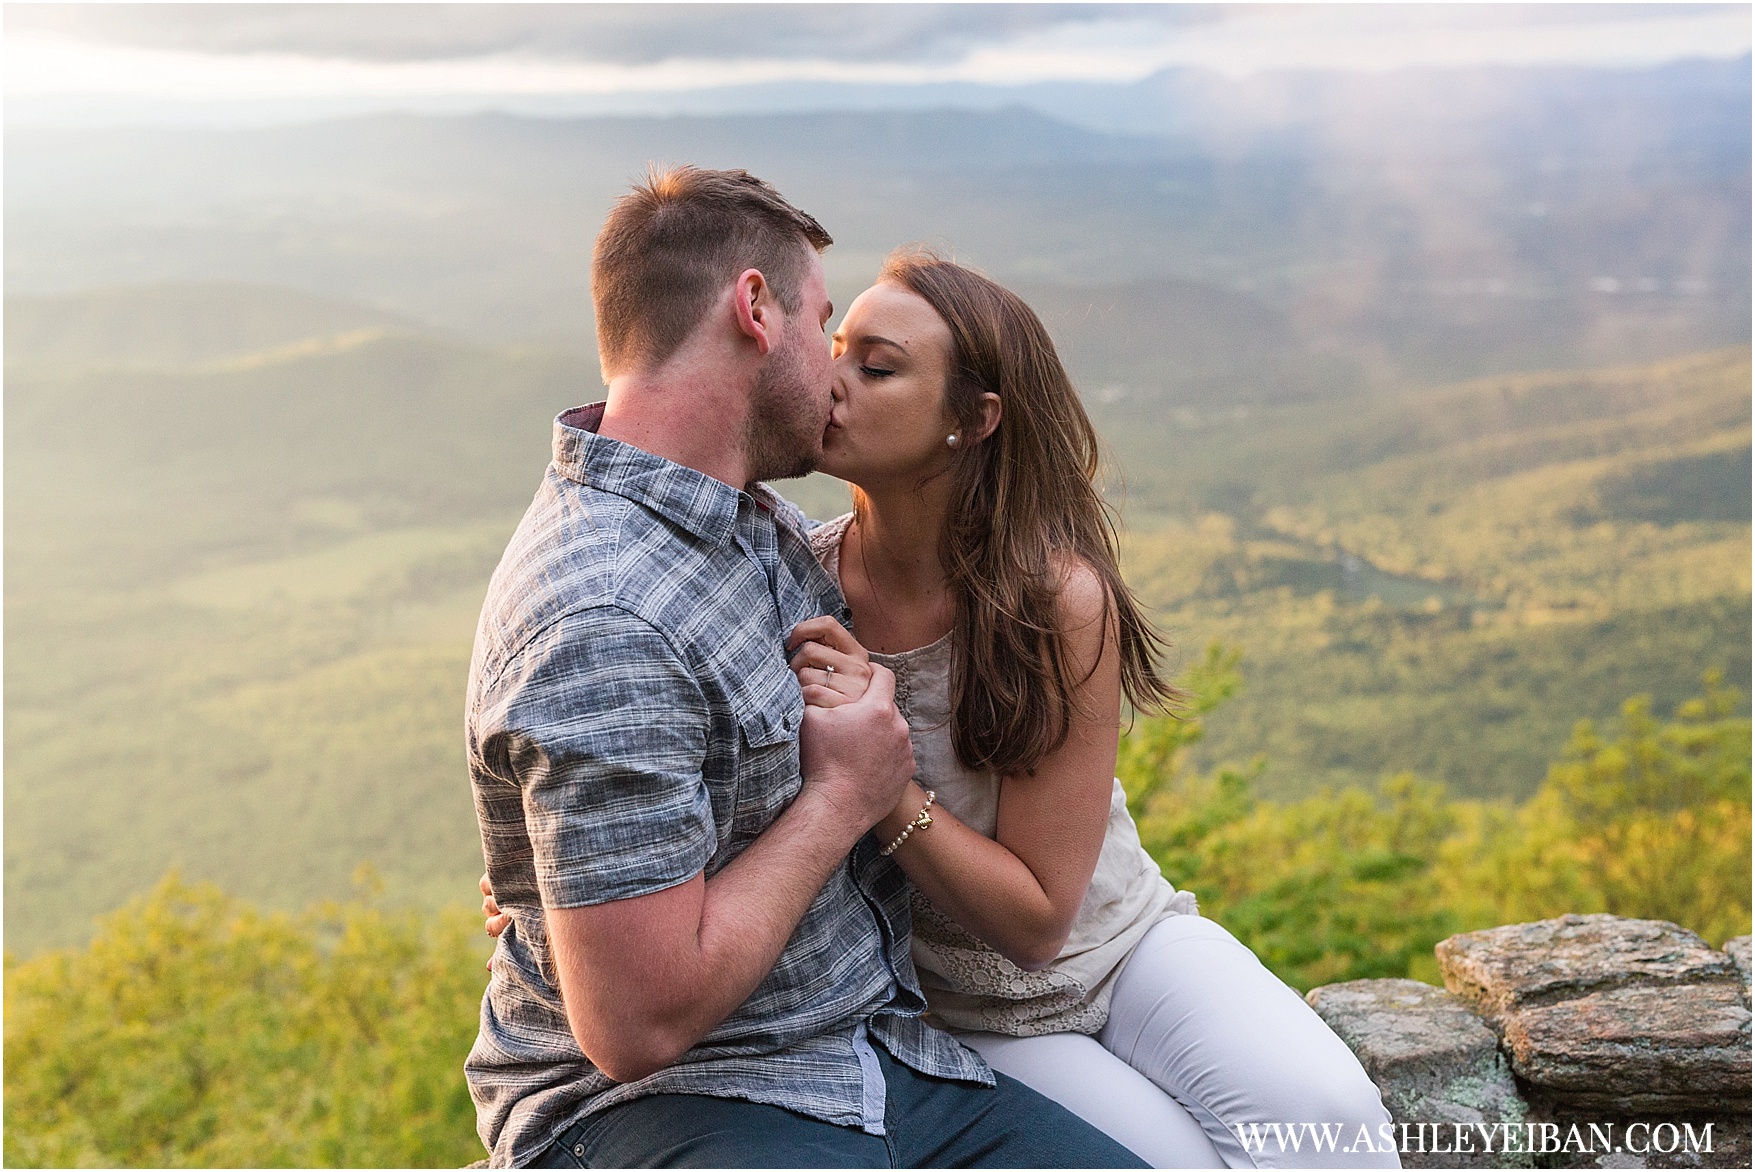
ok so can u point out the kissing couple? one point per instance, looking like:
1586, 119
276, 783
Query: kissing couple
804, 846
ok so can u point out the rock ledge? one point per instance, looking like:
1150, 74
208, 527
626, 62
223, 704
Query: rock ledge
1573, 1021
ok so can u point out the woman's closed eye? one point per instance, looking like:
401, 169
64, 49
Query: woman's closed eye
875, 371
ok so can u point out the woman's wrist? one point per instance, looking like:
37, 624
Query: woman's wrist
907, 808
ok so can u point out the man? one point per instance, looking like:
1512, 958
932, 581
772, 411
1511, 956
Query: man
707, 960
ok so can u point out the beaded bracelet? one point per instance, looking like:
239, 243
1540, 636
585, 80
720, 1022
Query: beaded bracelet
921, 821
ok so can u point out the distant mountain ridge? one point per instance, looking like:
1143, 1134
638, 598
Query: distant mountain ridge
1416, 227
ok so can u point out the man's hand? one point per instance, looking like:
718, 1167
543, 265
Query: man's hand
855, 756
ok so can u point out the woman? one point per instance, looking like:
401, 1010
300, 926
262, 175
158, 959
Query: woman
980, 568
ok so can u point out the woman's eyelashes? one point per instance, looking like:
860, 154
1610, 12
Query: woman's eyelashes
875, 371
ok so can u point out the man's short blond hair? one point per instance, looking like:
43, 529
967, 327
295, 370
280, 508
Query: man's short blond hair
671, 246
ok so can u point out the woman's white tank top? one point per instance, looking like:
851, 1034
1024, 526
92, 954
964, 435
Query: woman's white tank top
968, 985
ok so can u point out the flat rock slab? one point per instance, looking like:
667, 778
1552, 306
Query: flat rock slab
1637, 1049
1434, 1060
1500, 970
1413, 1033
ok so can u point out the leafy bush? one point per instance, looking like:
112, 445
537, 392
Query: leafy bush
196, 1031
1653, 822
1350, 884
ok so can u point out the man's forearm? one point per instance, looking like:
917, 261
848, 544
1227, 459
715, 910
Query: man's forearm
754, 904
702, 947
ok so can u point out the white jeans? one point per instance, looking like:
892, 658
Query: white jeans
1202, 1039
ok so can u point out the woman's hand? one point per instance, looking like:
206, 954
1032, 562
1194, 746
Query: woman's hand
490, 909
832, 668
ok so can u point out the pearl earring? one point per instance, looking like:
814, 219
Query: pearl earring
951, 439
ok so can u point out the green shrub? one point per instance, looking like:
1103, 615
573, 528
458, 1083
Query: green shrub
196, 1031
1350, 884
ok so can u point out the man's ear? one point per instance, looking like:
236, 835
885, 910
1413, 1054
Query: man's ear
991, 410
755, 309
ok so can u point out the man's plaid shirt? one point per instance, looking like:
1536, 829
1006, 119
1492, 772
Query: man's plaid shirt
631, 722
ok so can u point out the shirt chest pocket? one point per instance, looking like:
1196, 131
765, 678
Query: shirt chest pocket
770, 708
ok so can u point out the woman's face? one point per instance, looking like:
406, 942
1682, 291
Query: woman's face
892, 359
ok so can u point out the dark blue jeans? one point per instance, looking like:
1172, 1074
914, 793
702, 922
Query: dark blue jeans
929, 1123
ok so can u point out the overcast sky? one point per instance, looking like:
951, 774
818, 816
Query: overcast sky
218, 53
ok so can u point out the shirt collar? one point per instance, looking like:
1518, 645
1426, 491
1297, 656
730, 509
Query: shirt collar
705, 507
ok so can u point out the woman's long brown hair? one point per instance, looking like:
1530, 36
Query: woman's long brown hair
1024, 503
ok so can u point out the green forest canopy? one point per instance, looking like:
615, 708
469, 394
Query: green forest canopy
250, 663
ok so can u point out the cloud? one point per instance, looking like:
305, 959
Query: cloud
232, 53
620, 34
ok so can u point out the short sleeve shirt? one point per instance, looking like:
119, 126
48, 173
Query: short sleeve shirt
632, 722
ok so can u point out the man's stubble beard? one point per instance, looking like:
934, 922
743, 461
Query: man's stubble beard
785, 438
